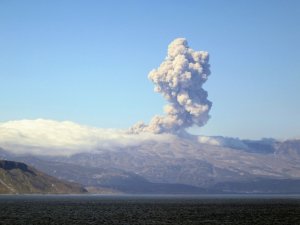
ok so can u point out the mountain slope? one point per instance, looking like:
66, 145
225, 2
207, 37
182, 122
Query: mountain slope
181, 165
185, 161
106, 180
16, 178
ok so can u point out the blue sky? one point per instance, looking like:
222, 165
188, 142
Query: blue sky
88, 61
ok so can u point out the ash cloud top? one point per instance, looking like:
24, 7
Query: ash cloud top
179, 79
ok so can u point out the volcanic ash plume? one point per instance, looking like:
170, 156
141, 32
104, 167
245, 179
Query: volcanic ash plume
179, 79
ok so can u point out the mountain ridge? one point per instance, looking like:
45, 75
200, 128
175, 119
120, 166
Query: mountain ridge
202, 167
19, 178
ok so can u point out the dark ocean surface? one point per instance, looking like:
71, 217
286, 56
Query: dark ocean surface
150, 209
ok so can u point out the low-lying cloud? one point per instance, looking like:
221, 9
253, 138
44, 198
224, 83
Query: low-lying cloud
48, 137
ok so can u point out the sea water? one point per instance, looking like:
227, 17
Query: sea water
149, 209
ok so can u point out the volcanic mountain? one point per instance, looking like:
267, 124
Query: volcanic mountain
153, 163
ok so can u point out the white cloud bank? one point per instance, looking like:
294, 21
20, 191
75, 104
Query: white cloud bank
222, 141
54, 138
48, 137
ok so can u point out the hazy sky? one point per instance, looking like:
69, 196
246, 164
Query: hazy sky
88, 61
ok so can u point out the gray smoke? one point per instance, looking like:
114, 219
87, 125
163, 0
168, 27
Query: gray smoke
179, 79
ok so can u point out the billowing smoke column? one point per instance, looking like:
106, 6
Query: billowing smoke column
179, 79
